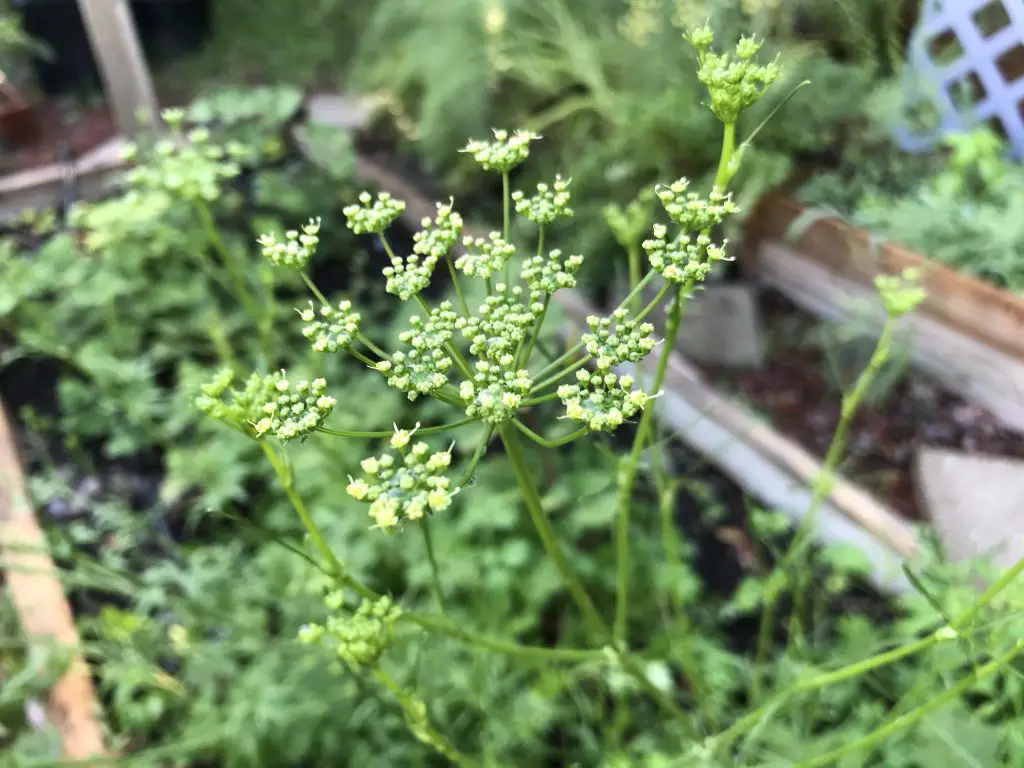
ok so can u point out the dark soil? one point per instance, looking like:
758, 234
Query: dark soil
796, 391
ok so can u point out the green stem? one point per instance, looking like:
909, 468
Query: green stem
478, 454
506, 223
522, 361
514, 449
634, 269
314, 290
365, 341
561, 374
821, 490
628, 472
435, 571
544, 443
237, 277
362, 358
911, 718
417, 721
457, 284
724, 173
538, 400
285, 478
419, 430
654, 303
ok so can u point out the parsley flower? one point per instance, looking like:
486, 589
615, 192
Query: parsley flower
602, 401
504, 153
328, 328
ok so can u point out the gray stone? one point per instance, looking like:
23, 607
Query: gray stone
975, 503
722, 326
338, 111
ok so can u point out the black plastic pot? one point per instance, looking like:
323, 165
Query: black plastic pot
167, 29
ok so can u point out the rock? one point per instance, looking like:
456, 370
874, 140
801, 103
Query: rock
975, 503
338, 111
722, 326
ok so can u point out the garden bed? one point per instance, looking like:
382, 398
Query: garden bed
968, 333
797, 392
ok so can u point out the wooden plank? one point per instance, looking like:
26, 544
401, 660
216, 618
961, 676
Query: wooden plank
970, 306
42, 607
122, 64
768, 465
987, 377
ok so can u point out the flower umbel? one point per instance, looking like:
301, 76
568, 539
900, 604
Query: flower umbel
371, 216
404, 485
484, 256
439, 235
424, 368
330, 328
294, 410
684, 260
504, 153
615, 340
602, 401
296, 250
547, 275
692, 212
549, 204
733, 83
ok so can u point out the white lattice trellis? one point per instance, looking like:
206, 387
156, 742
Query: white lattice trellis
969, 50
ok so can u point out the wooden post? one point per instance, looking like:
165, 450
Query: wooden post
38, 597
122, 64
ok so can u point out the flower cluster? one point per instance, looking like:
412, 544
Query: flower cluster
733, 83
601, 400
371, 216
500, 325
504, 153
293, 411
692, 212
359, 639
496, 392
405, 487
438, 237
241, 408
484, 256
328, 328
684, 260
548, 205
547, 275
296, 250
188, 164
424, 368
626, 342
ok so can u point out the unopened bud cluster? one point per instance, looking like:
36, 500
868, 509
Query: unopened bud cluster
484, 256
296, 250
372, 216
328, 328
294, 410
424, 368
602, 401
359, 639
405, 485
504, 153
237, 408
692, 212
548, 205
684, 260
547, 275
615, 340
733, 83
439, 235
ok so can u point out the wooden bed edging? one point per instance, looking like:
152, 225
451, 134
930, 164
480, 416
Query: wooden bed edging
42, 607
972, 307
767, 465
